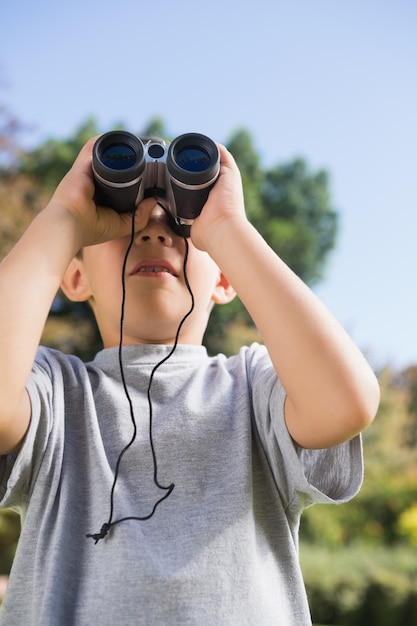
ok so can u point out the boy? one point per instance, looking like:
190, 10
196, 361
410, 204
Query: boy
182, 507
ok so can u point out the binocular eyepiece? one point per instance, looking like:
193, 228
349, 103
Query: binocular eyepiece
179, 174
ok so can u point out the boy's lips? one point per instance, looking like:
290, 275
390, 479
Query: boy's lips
153, 267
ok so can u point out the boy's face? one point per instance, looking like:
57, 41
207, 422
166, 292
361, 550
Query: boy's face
157, 297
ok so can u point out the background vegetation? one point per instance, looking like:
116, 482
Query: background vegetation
358, 559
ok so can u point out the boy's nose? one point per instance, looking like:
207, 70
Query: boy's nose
156, 230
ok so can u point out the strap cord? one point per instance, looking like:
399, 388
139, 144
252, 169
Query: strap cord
110, 522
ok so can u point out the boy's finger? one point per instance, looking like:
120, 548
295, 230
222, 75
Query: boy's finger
143, 212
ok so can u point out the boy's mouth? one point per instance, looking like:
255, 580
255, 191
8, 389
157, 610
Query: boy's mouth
153, 268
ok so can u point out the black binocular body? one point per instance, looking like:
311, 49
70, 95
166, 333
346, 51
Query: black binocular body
179, 174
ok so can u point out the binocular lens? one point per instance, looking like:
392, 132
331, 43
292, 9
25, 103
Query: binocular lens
118, 157
126, 170
193, 159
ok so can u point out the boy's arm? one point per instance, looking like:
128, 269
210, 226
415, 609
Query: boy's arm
332, 393
30, 277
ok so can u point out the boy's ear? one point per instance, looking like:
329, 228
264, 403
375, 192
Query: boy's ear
74, 284
223, 292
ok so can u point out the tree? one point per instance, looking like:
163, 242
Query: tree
10, 127
358, 559
49, 163
290, 205
390, 482
20, 198
240, 144
155, 128
408, 380
298, 220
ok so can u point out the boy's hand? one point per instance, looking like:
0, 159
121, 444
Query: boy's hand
224, 205
94, 224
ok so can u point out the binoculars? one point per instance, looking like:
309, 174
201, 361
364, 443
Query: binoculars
180, 174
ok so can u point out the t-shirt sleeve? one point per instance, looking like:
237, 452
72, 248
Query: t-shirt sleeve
303, 477
18, 471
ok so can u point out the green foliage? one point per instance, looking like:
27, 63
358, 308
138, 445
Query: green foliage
357, 586
298, 218
155, 128
240, 144
49, 163
9, 535
407, 525
358, 558
10, 128
408, 380
290, 206
20, 200
390, 483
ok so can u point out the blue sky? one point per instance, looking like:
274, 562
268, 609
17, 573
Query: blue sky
333, 82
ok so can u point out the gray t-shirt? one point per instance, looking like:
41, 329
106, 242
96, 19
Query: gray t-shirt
221, 549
